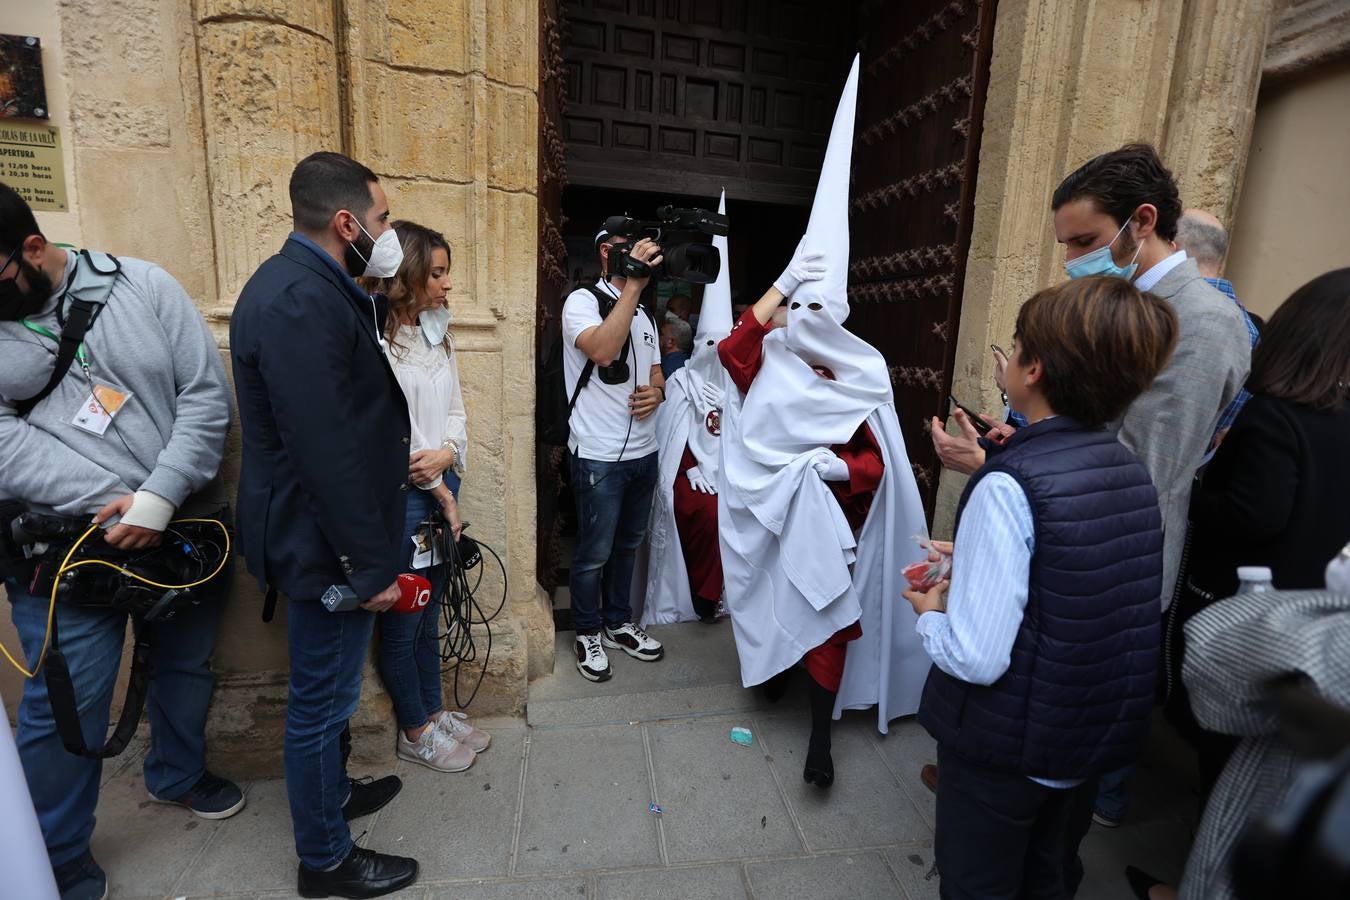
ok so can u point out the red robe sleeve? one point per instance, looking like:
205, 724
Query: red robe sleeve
742, 352
862, 455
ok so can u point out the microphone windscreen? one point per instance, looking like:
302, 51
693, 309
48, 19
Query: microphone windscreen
414, 593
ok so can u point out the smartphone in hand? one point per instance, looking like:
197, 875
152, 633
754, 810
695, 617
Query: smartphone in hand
981, 426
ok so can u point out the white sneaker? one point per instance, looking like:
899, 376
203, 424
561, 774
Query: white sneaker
592, 661
456, 726
436, 750
635, 642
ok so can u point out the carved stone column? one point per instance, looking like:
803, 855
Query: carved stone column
1073, 78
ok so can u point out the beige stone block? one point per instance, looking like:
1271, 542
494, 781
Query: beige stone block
113, 122
512, 45
309, 15
511, 229
416, 124
422, 34
144, 214
270, 96
447, 209
246, 725
110, 38
512, 124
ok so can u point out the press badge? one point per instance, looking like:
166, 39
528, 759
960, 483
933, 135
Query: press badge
426, 551
100, 408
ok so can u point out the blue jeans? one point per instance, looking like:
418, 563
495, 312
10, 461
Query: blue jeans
614, 502
410, 659
1113, 796
327, 652
65, 786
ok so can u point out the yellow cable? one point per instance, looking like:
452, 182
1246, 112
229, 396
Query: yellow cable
67, 567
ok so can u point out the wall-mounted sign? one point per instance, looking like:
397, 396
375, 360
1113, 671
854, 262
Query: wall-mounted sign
23, 94
30, 162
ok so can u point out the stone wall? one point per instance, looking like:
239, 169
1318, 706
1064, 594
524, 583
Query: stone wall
186, 121
1070, 79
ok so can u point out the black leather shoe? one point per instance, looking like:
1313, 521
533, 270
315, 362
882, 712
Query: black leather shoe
364, 873
369, 795
1141, 882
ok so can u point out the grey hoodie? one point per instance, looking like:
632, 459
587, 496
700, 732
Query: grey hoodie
167, 439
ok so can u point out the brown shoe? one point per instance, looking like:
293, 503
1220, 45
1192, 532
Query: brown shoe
928, 775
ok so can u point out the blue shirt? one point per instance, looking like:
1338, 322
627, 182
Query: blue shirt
991, 576
1235, 407
673, 362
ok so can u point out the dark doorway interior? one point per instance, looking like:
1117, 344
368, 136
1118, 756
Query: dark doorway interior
645, 102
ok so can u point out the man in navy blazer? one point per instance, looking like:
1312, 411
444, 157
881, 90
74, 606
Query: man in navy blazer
322, 493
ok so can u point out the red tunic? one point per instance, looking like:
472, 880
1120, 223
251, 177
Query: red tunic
742, 353
696, 521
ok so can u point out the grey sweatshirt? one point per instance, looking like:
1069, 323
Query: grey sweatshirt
168, 438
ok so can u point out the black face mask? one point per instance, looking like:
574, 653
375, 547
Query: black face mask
352, 257
17, 303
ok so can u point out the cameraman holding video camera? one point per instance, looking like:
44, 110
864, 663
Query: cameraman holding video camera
130, 435
612, 371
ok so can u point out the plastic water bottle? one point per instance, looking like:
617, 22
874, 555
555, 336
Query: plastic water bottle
1254, 580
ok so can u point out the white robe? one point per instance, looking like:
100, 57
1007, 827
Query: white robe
660, 593
794, 572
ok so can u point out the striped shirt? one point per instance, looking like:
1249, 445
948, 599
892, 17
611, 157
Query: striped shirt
1231, 412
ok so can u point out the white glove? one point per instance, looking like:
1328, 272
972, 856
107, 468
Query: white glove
829, 467
803, 267
712, 395
698, 481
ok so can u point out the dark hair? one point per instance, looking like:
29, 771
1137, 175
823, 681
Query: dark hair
17, 222
1100, 341
418, 242
324, 183
1304, 354
1120, 182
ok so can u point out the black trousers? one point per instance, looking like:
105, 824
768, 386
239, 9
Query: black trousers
1000, 836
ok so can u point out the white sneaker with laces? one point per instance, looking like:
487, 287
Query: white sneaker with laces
592, 661
635, 642
436, 750
456, 725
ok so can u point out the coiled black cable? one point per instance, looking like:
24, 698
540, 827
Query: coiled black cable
461, 610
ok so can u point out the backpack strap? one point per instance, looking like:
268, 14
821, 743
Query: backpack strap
88, 289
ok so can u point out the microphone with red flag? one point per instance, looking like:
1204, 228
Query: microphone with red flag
414, 593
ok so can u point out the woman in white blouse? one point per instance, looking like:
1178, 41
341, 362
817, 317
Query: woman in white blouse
423, 359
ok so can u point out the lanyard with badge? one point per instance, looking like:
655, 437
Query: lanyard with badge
104, 401
89, 285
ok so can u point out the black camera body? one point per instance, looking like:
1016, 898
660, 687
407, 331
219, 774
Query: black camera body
685, 236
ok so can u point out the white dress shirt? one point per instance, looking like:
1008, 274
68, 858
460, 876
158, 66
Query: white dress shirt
430, 382
1147, 280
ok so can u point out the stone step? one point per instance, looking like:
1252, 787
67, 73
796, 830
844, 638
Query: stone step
699, 676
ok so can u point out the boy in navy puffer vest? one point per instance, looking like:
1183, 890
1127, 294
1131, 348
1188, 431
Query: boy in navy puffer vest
1045, 648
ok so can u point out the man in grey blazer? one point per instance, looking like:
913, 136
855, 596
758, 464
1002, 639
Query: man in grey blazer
1117, 215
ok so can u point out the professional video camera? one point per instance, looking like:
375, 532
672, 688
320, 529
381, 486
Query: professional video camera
685, 236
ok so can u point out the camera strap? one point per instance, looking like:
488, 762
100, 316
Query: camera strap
65, 711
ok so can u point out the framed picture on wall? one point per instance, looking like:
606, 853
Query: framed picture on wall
23, 93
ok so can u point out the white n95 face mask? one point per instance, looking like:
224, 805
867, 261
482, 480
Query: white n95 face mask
385, 257
435, 322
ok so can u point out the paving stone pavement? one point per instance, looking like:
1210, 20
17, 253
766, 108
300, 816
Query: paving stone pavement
560, 805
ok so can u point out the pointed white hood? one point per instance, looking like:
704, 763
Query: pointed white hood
795, 408
714, 319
